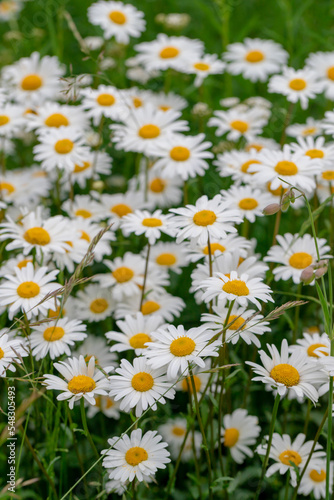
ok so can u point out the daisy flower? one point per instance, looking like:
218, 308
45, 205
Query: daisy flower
289, 454
138, 456
97, 348
208, 64
81, 381
11, 352
87, 230
118, 20
328, 123
240, 430
295, 253
314, 480
288, 373
315, 149
135, 333
165, 102
93, 303
174, 348
85, 207
322, 63
11, 120
258, 143
238, 123
314, 345
61, 148
168, 52
116, 206
207, 218
236, 164
23, 188
55, 337
230, 244
54, 115
173, 432
161, 192
107, 406
26, 289
171, 256
33, 79
249, 201
245, 324
311, 128
149, 224
236, 287
294, 168
255, 59
200, 376
183, 156
155, 303
140, 386
146, 127
104, 101
97, 163
296, 84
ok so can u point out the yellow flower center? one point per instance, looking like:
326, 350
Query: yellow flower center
105, 100
276, 192
237, 322
164, 108
204, 218
136, 455
137, 102
286, 167
300, 260
213, 247
4, 120
64, 146
55, 314
309, 131
330, 73
56, 120
254, 56
149, 131
178, 431
1, 353
201, 66
231, 437
5, 186
53, 333
142, 382
81, 383
285, 374
248, 203
117, 17
313, 347
182, 346
23, 263
169, 52
179, 153
236, 287
250, 146
151, 222
157, 185
239, 125
297, 84
121, 209
31, 82
166, 259
139, 340
150, 307
98, 306
318, 477
81, 212
37, 236
28, 290
187, 385
328, 175
288, 456
85, 236
315, 153
78, 169
245, 166
123, 274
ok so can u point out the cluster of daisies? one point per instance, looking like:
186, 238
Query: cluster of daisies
122, 340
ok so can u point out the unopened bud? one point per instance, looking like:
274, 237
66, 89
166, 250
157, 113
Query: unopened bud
98, 185
271, 209
321, 271
307, 275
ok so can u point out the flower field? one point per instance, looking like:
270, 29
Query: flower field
166, 249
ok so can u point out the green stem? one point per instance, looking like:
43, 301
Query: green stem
85, 426
145, 275
287, 485
329, 435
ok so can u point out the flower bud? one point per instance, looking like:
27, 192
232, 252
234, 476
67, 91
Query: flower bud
307, 276
321, 271
271, 209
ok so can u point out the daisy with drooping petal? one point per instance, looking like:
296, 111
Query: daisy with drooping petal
230, 244
249, 201
61, 148
11, 350
236, 287
174, 348
135, 333
26, 289
149, 224
183, 156
289, 454
314, 480
155, 303
208, 64
107, 406
240, 430
55, 337
140, 386
312, 128
97, 348
322, 63
315, 346
171, 256
206, 218
295, 253
255, 59
296, 84
117, 19
81, 381
238, 123
138, 456
244, 323
146, 127
93, 303
104, 101
287, 373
